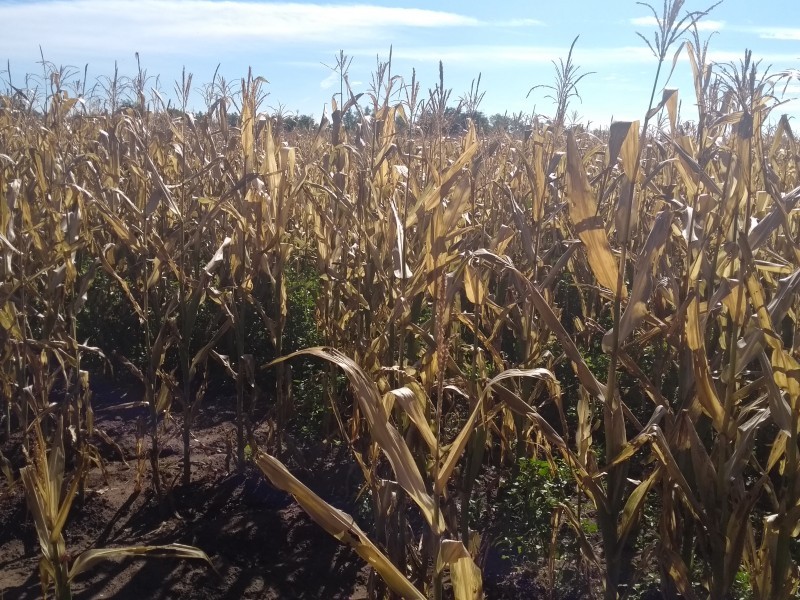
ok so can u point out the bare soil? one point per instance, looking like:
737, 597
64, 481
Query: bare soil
261, 543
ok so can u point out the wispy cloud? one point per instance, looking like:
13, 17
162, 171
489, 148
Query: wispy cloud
501, 55
595, 58
329, 81
778, 33
291, 41
778, 59
518, 23
115, 26
702, 25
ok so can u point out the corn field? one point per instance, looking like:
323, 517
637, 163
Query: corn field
619, 305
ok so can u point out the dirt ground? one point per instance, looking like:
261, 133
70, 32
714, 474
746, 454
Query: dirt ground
259, 540
261, 543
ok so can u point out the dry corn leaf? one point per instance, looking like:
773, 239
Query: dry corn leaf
458, 445
339, 524
383, 432
432, 195
90, 558
634, 506
623, 137
779, 409
529, 291
464, 573
413, 400
474, 285
588, 224
636, 309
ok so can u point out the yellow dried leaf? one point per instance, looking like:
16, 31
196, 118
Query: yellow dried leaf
474, 286
465, 574
588, 224
338, 524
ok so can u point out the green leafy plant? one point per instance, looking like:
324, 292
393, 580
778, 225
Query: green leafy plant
526, 504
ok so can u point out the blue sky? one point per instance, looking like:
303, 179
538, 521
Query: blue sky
511, 43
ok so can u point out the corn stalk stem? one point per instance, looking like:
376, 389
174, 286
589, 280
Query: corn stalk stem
612, 412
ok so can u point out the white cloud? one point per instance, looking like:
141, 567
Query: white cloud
503, 55
777, 59
702, 25
329, 81
111, 27
601, 60
779, 33
518, 23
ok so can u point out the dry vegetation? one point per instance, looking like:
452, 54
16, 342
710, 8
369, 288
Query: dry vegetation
618, 306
